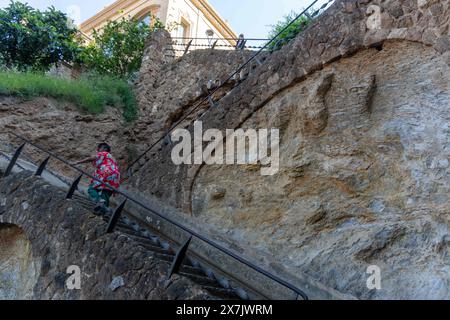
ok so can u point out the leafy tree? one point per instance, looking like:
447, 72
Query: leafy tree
290, 33
118, 48
35, 40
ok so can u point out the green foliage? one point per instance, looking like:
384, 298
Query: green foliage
115, 92
118, 49
92, 93
290, 33
35, 40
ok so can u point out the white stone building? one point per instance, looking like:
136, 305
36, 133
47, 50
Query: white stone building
184, 19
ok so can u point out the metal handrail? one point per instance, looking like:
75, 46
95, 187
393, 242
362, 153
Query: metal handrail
213, 43
211, 93
212, 39
191, 232
208, 45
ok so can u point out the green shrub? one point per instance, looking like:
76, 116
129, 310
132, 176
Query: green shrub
35, 40
92, 94
290, 33
117, 49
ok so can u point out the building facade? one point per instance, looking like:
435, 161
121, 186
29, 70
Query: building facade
185, 19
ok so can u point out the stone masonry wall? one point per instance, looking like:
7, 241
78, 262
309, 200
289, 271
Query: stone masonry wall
346, 28
361, 99
167, 89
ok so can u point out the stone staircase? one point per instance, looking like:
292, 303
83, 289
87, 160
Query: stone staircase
162, 250
215, 269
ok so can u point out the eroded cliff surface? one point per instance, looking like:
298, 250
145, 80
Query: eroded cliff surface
166, 91
364, 176
361, 99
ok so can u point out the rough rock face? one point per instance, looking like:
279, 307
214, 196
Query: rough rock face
61, 128
361, 99
364, 176
19, 270
54, 234
345, 29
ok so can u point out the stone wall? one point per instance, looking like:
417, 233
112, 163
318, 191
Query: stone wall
364, 176
361, 99
168, 89
342, 31
19, 270
56, 233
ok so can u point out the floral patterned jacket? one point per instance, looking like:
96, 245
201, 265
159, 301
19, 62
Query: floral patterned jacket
106, 170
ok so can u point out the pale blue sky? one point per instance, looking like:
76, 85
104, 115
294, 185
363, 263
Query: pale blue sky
251, 17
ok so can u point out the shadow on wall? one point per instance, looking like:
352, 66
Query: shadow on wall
18, 269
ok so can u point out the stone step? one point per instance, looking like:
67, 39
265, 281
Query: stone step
153, 248
86, 202
133, 227
222, 293
241, 293
196, 274
140, 235
164, 257
201, 280
192, 270
82, 199
87, 206
137, 236
125, 226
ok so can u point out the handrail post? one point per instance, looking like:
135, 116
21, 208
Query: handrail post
187, 47
42, 167
301, 295
73, 187
13, 161
115, 217
181, 254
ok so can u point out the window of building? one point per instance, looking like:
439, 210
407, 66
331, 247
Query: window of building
184, 30
149, 18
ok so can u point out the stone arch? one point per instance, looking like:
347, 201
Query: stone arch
19, 270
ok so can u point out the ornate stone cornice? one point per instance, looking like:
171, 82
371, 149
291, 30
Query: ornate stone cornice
104, 15
202, 5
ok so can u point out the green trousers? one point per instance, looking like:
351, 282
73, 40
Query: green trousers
98, 194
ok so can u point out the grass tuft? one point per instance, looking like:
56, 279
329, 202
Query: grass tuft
91, 94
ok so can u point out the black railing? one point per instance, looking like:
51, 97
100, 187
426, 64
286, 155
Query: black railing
185, 45
192, 234
209, 98
220, 39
